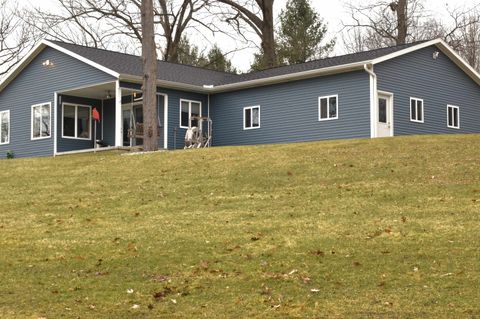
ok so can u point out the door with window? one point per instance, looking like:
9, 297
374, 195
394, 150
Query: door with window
126, 125
132, 125
385, 115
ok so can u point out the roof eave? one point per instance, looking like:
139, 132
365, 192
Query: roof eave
167, 84
290, 77
208, 88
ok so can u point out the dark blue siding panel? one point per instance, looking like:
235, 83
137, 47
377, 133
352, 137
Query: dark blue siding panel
174, 96
108, 120
68, 144
37, 84
289, 111
438, 82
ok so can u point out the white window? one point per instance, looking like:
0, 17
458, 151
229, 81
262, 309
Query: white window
41, 120
453, 116
328, 108
76, 121
251, 117
4, 127
416, 110
188, 109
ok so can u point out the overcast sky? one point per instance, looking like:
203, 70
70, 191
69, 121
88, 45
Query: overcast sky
332, 11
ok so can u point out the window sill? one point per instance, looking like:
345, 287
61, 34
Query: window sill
250, 128
76, 138
416, 121
40, 138
329, 119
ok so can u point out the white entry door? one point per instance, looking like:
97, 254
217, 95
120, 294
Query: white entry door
385, 115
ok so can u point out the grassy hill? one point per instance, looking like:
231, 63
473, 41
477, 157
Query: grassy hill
353, 229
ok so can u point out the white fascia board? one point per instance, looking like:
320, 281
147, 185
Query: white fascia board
253, 83
166, 84
405, 51
290, 77
81, 58
32, 54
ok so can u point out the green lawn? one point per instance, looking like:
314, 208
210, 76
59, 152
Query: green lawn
384, 228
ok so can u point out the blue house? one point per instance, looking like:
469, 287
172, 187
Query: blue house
47, 101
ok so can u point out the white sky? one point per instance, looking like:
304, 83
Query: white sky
332, 11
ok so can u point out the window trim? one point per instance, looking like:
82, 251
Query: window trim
189, 111
449, 106
328, 97
31, 120
76, 122
416, 110
251, 117
9, 127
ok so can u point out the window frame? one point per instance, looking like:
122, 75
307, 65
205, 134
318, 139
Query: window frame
416, 110
31, 120
448, 114
328, 97
245, 128
189, 112
76, 122
9, 127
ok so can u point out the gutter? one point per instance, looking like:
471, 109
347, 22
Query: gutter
211, 89
373, 99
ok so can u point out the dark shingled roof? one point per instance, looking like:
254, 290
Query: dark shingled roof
132, 65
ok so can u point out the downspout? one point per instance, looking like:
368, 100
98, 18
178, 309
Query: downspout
208, 111
373, 99
55, 119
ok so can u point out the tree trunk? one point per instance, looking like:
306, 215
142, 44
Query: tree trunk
402, 22
268, 31
149, 56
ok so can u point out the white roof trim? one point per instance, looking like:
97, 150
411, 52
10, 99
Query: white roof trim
290, 77
81, 58
30, 56
442, 45
445, 48
10, 76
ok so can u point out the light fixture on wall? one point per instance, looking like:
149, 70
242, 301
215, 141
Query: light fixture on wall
436, 54
108, 96
47, 63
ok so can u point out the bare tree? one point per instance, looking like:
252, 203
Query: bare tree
149, 56
14, 37
385, 23
103, 23
258, 15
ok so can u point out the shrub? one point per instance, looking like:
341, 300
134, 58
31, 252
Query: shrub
10, 154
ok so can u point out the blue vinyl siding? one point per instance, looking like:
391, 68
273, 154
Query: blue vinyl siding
174, 97
69, 144
289, 111
37, 84
108, 122
438, 82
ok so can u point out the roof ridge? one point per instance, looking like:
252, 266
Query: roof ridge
138, 56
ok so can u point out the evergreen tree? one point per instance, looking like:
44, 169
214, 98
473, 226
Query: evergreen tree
190, 54
301, 34
216, 60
